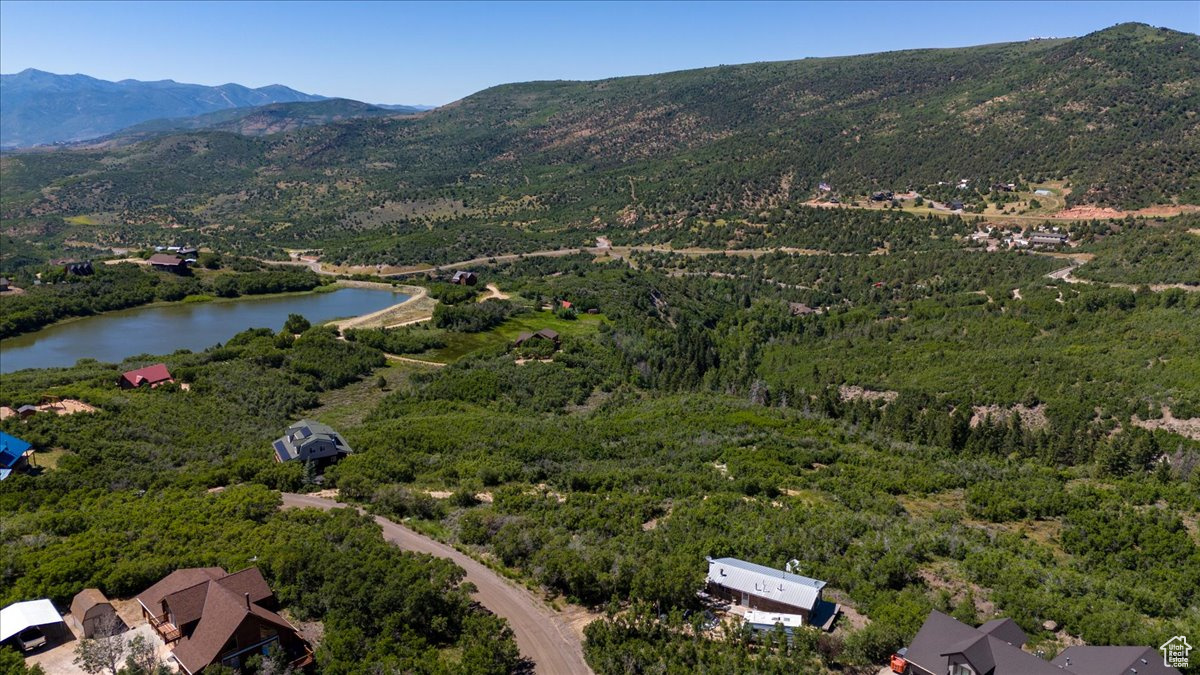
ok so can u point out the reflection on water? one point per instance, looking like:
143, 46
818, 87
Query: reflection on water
116, 336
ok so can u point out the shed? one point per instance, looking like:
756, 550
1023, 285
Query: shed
89, 610
27, 410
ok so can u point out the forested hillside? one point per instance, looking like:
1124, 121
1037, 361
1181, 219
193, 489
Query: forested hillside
907, 402
947, 429
261, 120
1111, 115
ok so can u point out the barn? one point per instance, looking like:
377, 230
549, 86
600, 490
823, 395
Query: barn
91, 611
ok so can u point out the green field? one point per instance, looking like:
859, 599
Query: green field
461, 344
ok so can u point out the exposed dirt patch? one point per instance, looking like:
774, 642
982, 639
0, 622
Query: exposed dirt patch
1189, 427
1099, 213
493, 294
67, 406
1031, 418
856, 393
1088, 213
544, 489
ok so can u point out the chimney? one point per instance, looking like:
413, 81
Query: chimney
247, 600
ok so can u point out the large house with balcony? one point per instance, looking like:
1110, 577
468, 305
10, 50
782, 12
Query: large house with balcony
210, 617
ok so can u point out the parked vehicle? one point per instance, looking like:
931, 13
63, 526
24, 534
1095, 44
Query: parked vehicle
31, 638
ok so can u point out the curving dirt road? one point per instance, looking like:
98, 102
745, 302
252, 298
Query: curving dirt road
543, 635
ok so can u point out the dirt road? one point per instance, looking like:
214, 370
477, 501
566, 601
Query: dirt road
493, 294
607, 250
405, 359
543, 635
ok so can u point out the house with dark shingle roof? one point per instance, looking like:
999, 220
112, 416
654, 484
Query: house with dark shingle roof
310, 441
1113, 661
946, 646
464, 278
543, 334
216, 618
168, 263
76, 267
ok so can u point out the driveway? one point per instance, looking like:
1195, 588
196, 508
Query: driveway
543, 635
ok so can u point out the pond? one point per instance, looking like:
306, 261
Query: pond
115, 336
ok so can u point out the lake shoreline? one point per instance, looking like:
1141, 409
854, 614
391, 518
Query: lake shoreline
212, 300
165, 327
417, 307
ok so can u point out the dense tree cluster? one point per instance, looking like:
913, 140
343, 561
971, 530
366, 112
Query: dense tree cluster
907, 426
474, 317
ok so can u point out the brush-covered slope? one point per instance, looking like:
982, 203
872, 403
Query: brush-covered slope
1114, 113
263, 120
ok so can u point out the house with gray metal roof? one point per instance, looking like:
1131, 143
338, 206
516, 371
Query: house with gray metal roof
764, 588
307, 440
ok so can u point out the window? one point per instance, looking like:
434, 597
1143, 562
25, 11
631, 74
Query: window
961, 669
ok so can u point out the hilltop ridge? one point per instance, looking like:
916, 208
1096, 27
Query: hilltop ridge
1110, 116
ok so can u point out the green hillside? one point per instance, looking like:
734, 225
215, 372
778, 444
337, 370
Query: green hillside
1112, 115
256, 121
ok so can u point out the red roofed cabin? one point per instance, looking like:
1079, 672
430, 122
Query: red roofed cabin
150, 375
218, 618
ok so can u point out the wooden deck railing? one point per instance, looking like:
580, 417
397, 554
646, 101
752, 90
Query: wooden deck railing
303, 661
168, 631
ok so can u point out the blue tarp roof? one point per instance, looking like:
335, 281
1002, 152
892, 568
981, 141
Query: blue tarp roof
11, 449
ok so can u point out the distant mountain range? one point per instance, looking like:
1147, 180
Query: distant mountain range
44, 108
261, 120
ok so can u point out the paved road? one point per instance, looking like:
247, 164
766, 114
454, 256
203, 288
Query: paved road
542, 635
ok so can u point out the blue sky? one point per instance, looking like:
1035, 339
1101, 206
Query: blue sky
438, 52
